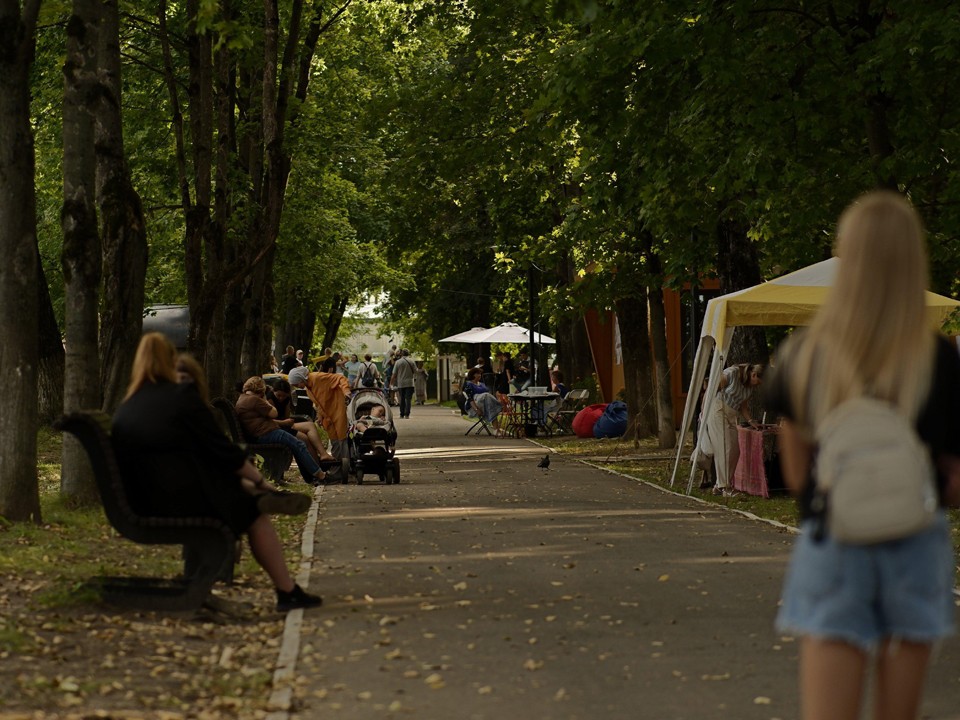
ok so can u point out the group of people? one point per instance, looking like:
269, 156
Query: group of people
507, 377
882, 604
402, 378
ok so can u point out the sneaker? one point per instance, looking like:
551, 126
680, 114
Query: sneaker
296, 598
278, 502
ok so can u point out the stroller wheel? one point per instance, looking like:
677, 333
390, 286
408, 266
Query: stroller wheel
345, 470
359, 477
396, 472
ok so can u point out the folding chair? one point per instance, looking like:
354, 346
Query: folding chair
509, 422
480, 425
562, 417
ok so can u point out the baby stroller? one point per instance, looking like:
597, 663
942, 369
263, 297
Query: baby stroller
371, 442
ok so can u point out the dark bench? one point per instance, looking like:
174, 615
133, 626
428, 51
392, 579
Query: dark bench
276, 457
209, 546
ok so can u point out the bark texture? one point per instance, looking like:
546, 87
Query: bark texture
81, 243
123, 231
19, 494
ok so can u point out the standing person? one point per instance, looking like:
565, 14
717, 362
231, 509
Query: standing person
500, 382
175, 461
352, 365
509, 371
737, 385
300, 361
883, 604
367, 372
329, 392
420, 378
289, 360
387, 374
402, 378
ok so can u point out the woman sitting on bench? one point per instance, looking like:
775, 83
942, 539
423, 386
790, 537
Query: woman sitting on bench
175, 461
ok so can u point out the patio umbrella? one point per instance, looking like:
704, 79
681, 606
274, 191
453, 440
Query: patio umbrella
503, 333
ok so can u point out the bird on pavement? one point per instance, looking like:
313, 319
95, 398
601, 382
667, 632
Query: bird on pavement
544, 462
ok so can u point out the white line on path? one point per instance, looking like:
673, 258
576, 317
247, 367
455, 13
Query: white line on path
282, 696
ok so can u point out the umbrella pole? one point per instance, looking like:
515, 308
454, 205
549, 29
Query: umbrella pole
534, 365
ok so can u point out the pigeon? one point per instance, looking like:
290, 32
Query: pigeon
544, 462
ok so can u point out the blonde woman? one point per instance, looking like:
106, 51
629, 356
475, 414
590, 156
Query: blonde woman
175, 461
737, 386
884, 605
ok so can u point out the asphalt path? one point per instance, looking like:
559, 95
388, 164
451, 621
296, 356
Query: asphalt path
483, 587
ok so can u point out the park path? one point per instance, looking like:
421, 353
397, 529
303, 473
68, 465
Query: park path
482, 587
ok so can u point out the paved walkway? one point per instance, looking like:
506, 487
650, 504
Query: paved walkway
482, 587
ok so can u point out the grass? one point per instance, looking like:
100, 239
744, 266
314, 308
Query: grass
70, 545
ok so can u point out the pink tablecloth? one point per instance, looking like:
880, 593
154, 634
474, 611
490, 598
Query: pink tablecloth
750, 476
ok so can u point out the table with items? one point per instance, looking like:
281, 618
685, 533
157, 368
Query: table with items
532, 411
758, 471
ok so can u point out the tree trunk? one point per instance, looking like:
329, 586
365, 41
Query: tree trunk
234, 329
52, 358
666, 429
19, 494
637, 372
338, 306
123, 232
81, 243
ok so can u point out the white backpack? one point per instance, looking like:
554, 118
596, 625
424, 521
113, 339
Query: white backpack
874, 474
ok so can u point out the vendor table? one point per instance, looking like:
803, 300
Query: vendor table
756, 447
531, 410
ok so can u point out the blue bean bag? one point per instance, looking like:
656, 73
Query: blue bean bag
613, 422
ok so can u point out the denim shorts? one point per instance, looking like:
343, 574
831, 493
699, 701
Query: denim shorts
862, 594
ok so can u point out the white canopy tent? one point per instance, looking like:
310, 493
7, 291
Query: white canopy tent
792, 299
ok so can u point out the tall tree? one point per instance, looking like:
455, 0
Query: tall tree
123, 237
81, 243
19, 494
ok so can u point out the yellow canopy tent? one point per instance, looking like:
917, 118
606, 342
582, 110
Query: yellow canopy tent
792, 299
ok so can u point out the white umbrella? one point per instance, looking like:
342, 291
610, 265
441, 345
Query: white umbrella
503, 333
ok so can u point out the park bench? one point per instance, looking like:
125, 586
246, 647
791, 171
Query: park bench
209, 546
276, 457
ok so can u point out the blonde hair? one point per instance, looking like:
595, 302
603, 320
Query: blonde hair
187, 363
154, 361
872, 334
256, 385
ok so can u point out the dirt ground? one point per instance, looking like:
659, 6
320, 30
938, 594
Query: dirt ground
80, 660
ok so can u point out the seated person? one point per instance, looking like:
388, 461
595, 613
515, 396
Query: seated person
479, 397
280, 396
376, 417
176, 462
258, 419
190, 371
557, 386
556, 383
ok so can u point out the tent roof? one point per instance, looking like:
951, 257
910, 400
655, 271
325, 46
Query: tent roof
791, 299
